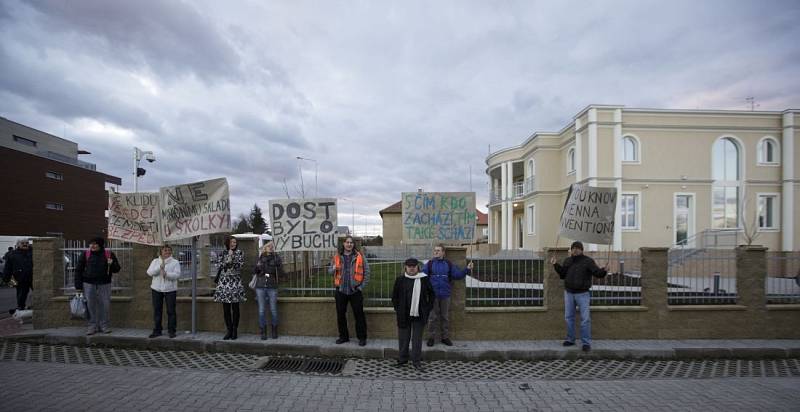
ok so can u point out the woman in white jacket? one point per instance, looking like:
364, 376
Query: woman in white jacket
165, 271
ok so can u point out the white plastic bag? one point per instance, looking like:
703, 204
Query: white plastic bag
253, 282
77, 306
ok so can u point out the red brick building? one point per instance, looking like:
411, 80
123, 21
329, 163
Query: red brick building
46, 190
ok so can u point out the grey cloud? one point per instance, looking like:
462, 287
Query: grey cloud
170, 37
261, 129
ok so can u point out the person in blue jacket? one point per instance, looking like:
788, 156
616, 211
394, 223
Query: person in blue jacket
442, 272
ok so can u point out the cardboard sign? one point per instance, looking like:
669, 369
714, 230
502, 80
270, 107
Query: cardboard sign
438, 217
134, 217
588, 214
303, 224
195, 209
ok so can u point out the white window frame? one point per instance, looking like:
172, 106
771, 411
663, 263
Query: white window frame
530, 211
572, 160
776, 211
729, 183
637, 211
761, 154
637, 150
692, 229
54, 175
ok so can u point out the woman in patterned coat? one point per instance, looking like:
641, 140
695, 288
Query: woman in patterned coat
230, 290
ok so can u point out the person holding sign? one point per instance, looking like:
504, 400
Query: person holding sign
93, 277
350, 272
412, 298
165, 271
230, 291
577, 271
442, 272
268, 267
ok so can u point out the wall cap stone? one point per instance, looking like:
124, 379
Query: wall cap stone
755, 248
786, 306
113, 299
654, 249
705, 308
618, 308
509, 309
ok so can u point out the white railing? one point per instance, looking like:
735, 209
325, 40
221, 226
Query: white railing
519, 189
530, 185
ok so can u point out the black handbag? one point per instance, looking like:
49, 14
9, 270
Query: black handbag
219, 273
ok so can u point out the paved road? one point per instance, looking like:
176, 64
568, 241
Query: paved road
60, 387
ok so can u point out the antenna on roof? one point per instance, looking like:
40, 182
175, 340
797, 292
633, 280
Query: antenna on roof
752, 101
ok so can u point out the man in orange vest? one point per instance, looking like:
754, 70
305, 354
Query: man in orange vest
350, 272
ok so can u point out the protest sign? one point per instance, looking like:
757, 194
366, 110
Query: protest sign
303, 224
134, 217
588, 214
195, 209
440, 217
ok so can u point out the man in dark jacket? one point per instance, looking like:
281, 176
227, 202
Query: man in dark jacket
93, 276
19, 264
577, 271
442, 273
412, 298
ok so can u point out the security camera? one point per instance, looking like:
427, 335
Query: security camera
150, 157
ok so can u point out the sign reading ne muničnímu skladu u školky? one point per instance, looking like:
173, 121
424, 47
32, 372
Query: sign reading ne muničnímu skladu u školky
175, 212
588, 214
303, 224
438, 217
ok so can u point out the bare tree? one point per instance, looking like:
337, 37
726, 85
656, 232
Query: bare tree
750, 227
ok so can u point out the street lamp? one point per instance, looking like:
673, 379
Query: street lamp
138, 171
316, 174
353, 205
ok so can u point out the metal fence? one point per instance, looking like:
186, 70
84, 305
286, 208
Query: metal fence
508, 278
783, 278
623, 284
701, 277
121, 282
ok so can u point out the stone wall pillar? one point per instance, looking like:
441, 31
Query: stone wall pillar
653, 280
458, 296
553, 290
48, 281
751, 275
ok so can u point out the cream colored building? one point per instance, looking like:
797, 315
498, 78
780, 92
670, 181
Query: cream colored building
695, 177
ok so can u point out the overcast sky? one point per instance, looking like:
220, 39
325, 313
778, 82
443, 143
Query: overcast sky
386, 96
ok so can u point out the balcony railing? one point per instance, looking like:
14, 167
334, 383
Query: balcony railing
495, 196
530, 185
519, 189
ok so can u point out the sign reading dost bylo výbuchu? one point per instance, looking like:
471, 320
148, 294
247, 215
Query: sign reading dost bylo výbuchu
303, 224
175, 212
438, 217
588, 214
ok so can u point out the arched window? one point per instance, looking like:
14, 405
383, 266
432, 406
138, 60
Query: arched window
726, 172
630, 149
531, 168
768, 151
571, 160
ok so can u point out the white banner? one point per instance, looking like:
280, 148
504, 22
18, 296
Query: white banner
588, 214
303, 224
134, 217
195, 209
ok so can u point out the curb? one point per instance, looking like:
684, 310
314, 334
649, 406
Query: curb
470, 355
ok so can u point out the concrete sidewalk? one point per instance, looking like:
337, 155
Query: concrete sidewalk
387, 348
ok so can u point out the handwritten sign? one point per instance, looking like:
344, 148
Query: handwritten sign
589, 214
303, 224
195, 209
134, 217
442, 217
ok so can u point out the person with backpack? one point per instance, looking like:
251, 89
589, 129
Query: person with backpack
165, 271
93, 278
442, 273
19, 264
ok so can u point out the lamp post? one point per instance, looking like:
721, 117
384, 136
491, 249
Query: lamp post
137, 171
353, 205
316, 174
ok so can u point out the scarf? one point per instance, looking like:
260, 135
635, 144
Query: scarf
414, 312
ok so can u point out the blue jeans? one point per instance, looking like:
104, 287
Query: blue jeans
264, 294
581, 300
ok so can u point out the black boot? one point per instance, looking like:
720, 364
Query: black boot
274, 331
235, 325
263, 332
226, 313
